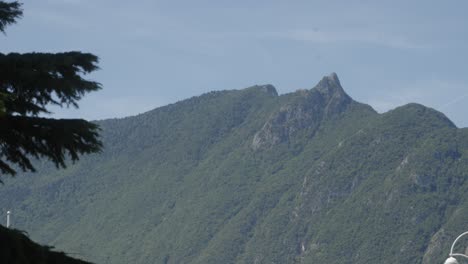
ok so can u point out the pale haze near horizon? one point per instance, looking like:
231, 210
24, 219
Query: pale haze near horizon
153, 53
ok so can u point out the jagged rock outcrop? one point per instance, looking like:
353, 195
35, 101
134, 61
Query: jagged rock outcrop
335, 99
268, 89
325, 100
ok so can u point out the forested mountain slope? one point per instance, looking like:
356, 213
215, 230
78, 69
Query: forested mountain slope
250, 176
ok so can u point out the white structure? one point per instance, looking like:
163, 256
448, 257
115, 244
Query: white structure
8, 219
451, 259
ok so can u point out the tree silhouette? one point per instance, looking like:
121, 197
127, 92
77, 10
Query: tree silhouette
31, 82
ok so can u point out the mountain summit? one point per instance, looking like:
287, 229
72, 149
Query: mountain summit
337, 99
306, 111
250, 176
330, 85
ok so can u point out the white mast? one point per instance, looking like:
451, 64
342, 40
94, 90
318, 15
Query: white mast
8, 219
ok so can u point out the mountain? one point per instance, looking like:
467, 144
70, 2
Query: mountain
250, 176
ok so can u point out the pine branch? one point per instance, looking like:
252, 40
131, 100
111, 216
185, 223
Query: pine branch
34, 80
24, 137
9, 12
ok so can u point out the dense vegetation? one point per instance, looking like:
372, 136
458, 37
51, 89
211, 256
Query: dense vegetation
248, 176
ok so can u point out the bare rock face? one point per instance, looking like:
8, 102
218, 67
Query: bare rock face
268, 89
334, 97
435, 246
326, 100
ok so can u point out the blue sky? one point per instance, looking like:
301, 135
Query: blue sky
386, 53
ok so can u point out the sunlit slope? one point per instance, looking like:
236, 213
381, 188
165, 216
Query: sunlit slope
248, 176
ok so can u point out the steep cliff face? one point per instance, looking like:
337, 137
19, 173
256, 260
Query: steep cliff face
250, 176
335, 100
306, 111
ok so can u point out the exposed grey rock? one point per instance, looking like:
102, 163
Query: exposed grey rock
435, 246
335, 98
269, 89
306, 111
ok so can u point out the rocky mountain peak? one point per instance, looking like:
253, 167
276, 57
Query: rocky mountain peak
268, 89
330, 87
326, 100
331, 79
334, 97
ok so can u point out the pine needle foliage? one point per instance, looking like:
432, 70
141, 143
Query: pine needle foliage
9, 12
31, 82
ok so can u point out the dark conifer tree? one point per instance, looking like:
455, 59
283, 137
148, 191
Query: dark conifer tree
31, 82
